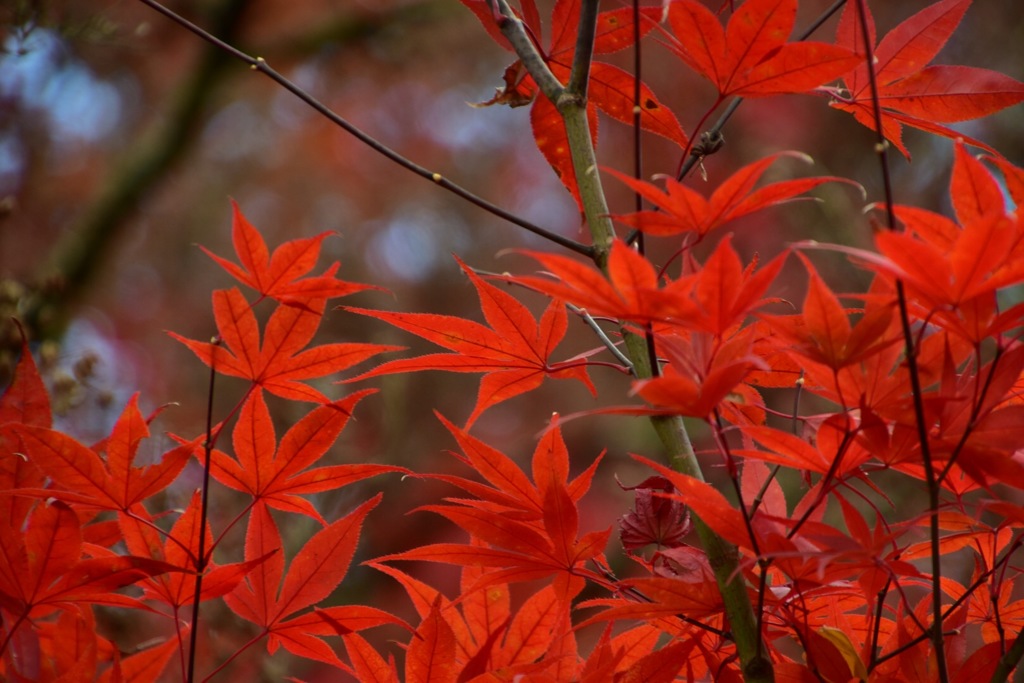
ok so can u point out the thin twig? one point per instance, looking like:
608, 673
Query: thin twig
526, 49
260, 64
609, 344
882, 148
204, 509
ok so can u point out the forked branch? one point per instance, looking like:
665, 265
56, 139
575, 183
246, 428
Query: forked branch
722, 556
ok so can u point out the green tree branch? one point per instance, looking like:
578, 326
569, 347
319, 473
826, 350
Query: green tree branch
722, 556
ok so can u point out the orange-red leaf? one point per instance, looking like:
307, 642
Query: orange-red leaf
281, 276
272, 598
283, 359
431, 655
111, 483
750, 57
824, 332
42, 565
513, 352
532, 528
630, 292
700, 375
911, 92
278, 475
685, 210
181, 549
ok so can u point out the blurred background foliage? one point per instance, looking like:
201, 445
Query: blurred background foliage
122, 136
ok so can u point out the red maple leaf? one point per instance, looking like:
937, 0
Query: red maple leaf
431, 655
685, 210
610, 88
824, 333
531, 527
513, 352
280, 276
653, 519
278, 475
112, 482
25, 401
726, 292
953, 272
277, 600
750, 57
283, 359
909, 91
180, 548
706, 502
489, 636
702, 374
42, 567
630, 292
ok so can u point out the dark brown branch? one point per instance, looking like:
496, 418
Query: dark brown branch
882, 148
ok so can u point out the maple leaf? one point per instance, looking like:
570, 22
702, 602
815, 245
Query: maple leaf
273, 599
367, 663
912, 93
610, 89
685, 210
695, 595
532, 530
283, 358
431, 656
713, 298
792, 451
67, 648
42, 567
630, 292
180, 548
489, 638
726, 292
824, 333
858, 553
952, 272
653, 519
424, 597
277, 475
110, 483
513, 352
701, 375
280, 276
660, 666
706, 502
750, 57
24, 401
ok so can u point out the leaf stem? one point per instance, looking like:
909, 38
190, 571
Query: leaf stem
260, 64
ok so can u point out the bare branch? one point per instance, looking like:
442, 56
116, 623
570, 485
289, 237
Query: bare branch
259, 64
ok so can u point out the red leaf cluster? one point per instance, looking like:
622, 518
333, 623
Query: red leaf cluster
913, 384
